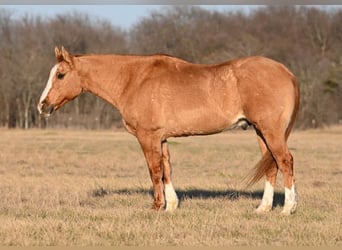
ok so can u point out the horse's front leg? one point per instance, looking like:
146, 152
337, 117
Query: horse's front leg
151, 145
170, 194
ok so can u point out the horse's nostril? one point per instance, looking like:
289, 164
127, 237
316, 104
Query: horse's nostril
50, 109
44, 109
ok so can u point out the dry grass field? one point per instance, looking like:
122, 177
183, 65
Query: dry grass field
86, 188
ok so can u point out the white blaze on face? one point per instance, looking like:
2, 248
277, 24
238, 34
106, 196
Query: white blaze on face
48, 87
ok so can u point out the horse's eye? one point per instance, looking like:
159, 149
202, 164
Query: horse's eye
60, 76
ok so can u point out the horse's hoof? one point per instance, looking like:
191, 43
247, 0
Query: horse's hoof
263, 209
157, 207
171, 206
289, 209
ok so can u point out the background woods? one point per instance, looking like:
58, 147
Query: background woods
307, 40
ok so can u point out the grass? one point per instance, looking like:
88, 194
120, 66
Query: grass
86, 188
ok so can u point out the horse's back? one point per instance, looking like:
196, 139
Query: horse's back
185, 98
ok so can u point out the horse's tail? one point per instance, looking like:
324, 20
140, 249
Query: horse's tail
260, 168
295, 108
267, 159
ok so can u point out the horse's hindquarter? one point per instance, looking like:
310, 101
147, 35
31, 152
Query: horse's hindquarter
266, 88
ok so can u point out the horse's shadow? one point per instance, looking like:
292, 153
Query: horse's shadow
195, 193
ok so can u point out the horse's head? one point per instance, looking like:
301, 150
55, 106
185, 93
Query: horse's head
64, 84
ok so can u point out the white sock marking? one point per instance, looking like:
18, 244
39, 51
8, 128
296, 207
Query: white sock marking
290, 200
170, 197
267, 198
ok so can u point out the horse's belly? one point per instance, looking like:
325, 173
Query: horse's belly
196, 122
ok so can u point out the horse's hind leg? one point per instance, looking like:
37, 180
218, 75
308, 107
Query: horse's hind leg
170, 194
276, 143
271, 176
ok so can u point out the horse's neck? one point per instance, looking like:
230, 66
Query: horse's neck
105, 76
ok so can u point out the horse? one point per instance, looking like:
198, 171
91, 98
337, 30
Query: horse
161, 96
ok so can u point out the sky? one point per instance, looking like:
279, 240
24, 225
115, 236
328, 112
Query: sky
123, 16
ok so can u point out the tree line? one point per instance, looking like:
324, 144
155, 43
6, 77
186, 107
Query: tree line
307, 40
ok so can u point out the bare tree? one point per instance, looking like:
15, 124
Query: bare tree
306, 39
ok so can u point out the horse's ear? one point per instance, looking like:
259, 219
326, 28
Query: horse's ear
67, 57
58, 55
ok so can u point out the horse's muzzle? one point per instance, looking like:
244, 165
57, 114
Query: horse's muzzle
44, 109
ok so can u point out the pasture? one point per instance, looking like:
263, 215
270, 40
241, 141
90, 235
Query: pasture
88, 188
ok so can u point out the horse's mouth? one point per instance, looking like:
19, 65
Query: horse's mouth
45, 110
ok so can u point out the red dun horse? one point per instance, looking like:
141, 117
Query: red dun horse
160, 96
